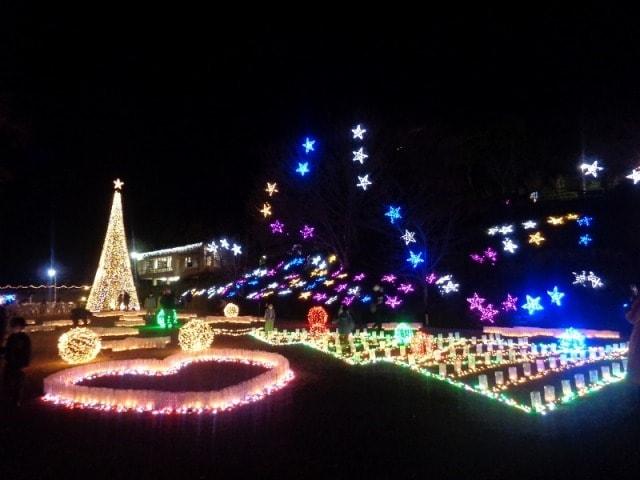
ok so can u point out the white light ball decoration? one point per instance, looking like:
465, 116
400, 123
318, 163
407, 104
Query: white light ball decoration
79, 345
231, 310
195, 336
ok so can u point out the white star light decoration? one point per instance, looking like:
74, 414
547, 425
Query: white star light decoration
212, 247
224, 244
529, 224
493, 230
272, 188
591, 169
446, 285
506, 229
583, 279
409, 237
634, 175
236, 249
358, 132
117, 184
364, 182
509, 246
360, 156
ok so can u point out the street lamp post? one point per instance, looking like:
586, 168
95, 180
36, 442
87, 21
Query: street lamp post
52, 275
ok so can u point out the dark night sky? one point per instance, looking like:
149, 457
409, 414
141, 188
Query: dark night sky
180, 108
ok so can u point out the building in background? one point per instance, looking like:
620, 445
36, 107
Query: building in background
172, 264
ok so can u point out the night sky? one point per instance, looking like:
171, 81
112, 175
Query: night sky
182, 108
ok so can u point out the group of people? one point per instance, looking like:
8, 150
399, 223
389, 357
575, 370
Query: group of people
16, 351
123, 300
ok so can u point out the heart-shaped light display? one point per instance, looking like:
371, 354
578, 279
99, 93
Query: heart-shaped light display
62, 387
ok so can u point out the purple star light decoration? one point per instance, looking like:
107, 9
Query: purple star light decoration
277, 227
307, 232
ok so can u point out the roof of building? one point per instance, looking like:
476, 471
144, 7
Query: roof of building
169, 251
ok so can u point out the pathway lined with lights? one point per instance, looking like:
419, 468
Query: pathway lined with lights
490, 365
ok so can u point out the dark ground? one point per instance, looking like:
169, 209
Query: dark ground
332, 421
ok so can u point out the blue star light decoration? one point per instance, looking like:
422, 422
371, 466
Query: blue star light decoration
308, 145
585, 221
556, 296
394, 214
303, 168
415, 259
585, 240
532, 305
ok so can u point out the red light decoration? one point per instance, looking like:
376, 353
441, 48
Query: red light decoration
420, 343
317, 318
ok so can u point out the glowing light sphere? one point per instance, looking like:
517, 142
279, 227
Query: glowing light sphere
231, 310
79, 345
403, 333
195, 335
318, 319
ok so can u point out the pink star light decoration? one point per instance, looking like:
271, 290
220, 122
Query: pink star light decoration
475, 302
488, 313
510, 304
393, 302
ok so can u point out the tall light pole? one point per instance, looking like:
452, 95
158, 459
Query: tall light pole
52, 275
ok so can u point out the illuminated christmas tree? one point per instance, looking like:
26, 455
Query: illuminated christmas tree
113, 276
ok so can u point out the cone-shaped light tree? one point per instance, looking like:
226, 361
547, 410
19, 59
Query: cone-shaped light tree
113, 276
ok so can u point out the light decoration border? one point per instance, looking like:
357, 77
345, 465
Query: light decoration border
62, 387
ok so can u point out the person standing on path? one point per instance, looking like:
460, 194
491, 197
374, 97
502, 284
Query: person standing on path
17, 355
269, 318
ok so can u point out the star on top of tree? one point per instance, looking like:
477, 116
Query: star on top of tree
117, 184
